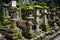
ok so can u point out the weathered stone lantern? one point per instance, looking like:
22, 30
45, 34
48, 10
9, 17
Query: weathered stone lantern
37, 17
53, 11
49, 13
44, 11
12, 11
30, 15
45, 20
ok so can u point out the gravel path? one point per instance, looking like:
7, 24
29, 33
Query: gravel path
57, 37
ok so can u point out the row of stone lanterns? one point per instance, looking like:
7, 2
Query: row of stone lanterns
30, 16
15, 14
36, 16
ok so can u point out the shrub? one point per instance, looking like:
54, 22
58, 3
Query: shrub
31, 33
17, 32
47, 26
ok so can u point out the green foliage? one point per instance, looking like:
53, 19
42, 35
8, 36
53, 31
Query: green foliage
18, 3
16, 31
47, 26
6, 22
45, 7
31, 32
18, 35
11, 9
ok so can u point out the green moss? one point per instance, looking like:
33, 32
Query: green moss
16, 31
47, 26
53, 9
28, 7
44, 6
12, 9
37, 6
31, 32
18, 35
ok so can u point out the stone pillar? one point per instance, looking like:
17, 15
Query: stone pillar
45, 15
54, 17
13, 18
17, 14
58, 14
13, 13
44, 11
37, 20
49, 15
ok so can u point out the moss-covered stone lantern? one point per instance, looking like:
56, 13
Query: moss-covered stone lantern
45, 20
44, 12
30, 15
53, 12
37, 16
12, 11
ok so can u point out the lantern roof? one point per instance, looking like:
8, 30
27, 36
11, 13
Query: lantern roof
28, 7
53, 9
37, 6
45, 7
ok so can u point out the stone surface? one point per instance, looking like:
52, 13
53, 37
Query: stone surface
57, 37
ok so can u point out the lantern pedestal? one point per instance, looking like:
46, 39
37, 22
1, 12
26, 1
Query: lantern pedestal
13, 17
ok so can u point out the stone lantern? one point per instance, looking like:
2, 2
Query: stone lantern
49, 13
37, 17
45, 12
12, 11
30, 16
13, 16
53, 11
